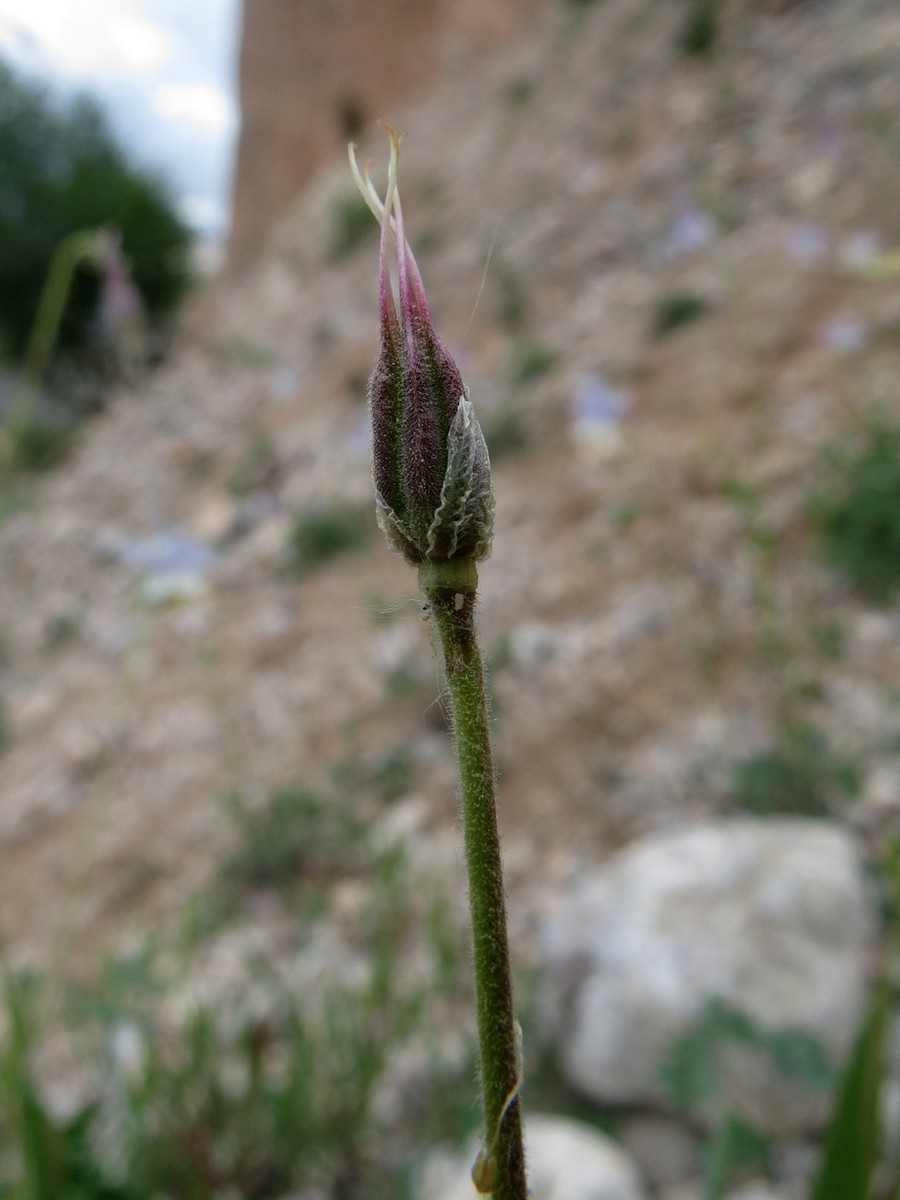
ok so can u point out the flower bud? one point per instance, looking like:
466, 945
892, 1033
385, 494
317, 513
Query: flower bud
430, 462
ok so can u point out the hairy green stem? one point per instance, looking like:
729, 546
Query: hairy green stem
501, 1167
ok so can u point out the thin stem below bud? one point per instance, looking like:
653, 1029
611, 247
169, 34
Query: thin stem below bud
501, 1166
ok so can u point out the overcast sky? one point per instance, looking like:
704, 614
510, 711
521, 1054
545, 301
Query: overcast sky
164, 70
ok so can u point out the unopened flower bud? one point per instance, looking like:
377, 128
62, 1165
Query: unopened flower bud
430, 462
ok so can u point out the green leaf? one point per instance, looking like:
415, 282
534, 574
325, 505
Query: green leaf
851, 1148
732, 1145
798, 1054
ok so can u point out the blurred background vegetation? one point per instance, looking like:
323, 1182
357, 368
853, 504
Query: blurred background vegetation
64, 173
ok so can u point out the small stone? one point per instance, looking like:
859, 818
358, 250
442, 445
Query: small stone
567, 1160
753, 1190
172, 588
665, 1150
216, 519
684, 1191
757, 1190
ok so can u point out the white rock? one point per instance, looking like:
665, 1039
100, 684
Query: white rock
665, 1150
754, 1190
684, 1191
566, 1159
770, 916
215, 519
757, 1190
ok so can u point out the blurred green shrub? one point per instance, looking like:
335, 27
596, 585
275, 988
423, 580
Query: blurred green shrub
800, 775
61, 630
698, 29
402, 681
351, 224
320, 534
505, 431
531, 360
63, 172
35, 443
241, 352
520, 92
676, 310
393, 775
295, 834
511, 303
858, 516
830, 639
257, 466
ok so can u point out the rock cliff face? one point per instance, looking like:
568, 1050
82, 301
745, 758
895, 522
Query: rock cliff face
314, 72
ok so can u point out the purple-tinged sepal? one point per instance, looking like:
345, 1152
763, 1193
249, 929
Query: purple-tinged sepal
430, 464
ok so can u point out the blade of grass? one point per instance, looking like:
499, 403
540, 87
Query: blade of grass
851, 1148
37, 1145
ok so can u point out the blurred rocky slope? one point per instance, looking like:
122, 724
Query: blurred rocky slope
682, 309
